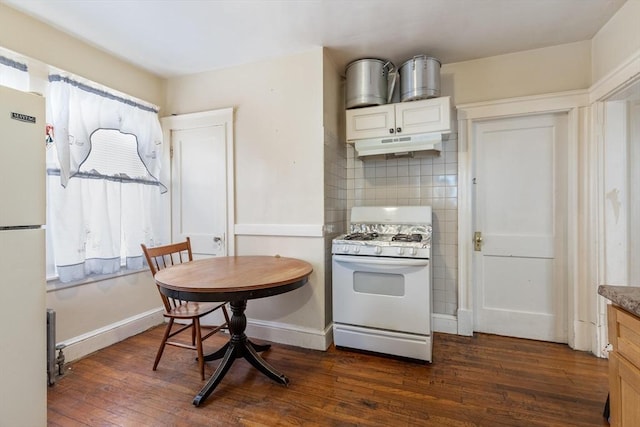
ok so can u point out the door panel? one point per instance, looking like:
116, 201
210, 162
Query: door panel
199, 189
526, 278
370, 122
520, 193
429, 115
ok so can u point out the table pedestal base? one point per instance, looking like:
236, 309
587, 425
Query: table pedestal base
238, 346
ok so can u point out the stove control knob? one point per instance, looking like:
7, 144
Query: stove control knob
356, 249
413, 251
345, 249
400, 251
378, 250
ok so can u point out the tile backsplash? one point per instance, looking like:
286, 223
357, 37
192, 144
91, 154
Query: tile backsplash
429, 178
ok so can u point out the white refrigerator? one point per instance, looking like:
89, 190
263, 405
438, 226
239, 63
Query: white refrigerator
23, 359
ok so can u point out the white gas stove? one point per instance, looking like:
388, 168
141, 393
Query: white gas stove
382, 281
398, 232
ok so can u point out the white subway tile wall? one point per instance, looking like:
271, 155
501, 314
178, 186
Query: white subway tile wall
429, 178
335, 186
335, 200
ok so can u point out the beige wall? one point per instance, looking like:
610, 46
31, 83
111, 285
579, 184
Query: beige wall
39, 41
85, 308
532, 72
617, 41
277, 133
278, 138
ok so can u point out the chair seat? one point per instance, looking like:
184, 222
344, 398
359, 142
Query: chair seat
189, 310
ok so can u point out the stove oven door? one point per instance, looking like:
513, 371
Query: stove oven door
391, 294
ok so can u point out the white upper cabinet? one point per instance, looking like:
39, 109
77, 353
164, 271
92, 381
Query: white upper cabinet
407, 118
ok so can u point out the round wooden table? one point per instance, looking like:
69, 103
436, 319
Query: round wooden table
234, 279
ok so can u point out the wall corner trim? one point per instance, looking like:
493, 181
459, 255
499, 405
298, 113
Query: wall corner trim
465, 322
621, 77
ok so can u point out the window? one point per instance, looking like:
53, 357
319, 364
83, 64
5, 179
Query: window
103, 164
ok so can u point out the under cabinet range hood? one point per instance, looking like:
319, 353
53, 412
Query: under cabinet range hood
399, 145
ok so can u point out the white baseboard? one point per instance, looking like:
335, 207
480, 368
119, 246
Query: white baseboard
584, 338
444, 323
283, 333
83, 345
465, 322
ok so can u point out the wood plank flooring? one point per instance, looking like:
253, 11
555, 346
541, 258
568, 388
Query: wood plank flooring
484, 380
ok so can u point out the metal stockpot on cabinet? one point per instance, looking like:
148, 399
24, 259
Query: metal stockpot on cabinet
420, 78
368, 82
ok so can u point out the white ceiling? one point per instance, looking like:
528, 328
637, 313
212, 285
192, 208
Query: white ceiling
176, 37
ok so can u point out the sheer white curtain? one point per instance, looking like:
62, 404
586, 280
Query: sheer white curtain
103, 193
13, 74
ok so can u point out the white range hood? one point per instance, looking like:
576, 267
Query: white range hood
399, 145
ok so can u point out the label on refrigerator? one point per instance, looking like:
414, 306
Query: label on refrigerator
23, 117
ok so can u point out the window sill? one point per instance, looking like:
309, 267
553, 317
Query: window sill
56, 285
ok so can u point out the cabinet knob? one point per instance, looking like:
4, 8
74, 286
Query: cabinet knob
398, 130
391, 130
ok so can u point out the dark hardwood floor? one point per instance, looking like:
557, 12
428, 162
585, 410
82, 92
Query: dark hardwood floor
484, 380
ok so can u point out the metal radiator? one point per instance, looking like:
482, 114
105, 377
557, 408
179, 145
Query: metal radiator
51, 346
55, 364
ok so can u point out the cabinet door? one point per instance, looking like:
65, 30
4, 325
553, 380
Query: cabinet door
624, 333
430, 115
624, 383
370, 122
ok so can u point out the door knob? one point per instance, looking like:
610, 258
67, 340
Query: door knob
477, 240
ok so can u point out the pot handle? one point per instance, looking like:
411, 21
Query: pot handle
392, 69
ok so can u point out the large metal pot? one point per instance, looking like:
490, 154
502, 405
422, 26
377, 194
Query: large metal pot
420, 78
367, 82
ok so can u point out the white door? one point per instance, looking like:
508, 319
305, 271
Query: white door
520, 277
199, 189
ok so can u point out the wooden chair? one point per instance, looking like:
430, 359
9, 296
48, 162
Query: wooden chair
161, 257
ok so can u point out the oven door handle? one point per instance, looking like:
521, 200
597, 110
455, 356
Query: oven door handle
400, 262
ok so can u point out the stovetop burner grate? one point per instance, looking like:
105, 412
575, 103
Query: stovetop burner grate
361, 236
415, 237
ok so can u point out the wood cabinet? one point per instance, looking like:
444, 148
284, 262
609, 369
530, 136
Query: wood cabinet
624, 367
406, 118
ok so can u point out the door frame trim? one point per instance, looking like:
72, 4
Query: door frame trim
571, 103
188, 121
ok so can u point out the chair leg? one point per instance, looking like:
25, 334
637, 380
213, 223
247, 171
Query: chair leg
167, 331
193, 333
196, 327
